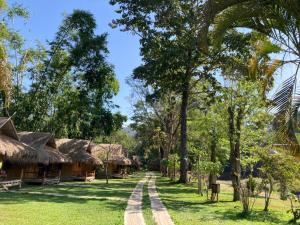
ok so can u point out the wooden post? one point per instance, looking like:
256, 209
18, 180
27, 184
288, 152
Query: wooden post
215, 188
59, 175
44, 178
85, 175
21, 177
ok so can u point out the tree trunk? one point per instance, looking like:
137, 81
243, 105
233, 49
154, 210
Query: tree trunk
183, 133
199, 177
213, 158
200, 185
268, 194
106, 165
174, 170
235, 155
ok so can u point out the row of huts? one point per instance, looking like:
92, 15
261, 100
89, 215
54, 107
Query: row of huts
37, 157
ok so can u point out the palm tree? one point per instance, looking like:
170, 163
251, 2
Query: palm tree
277, 19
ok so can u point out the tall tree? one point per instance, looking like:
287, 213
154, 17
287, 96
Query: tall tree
10, 44
71, 89
164, 107
243, 66
168, 32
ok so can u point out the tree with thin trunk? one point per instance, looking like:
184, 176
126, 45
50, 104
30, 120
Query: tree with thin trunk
171, 54
105, 156
165, 110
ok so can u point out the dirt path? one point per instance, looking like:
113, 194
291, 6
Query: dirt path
133, 213
160, 212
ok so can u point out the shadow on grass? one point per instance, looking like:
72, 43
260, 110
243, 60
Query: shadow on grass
120, 189
209, 202
256, 216
7, 198
180, 197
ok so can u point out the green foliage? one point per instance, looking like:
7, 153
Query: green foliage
71, 84
278, 20
121, 137
9, 39
202, 163
155, 122
287, 169
170, 50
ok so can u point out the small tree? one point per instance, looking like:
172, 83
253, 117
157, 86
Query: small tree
286, 169
173, 165
294, 209
105, 156
203, 167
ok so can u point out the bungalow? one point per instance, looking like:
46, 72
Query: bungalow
82, 163
11, 149
116, 157
47, 167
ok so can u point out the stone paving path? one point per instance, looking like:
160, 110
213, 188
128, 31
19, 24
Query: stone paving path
160, 212
134, 213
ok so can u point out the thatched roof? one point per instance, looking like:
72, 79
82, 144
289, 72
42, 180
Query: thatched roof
7, 128
10, 147
45, 145
37, 140
10, 144
117, 155
77, 150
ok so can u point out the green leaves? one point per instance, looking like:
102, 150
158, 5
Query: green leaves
72, 83
3, 4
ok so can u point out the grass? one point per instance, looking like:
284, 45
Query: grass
147, 212
27, 209
182, 201
187, 207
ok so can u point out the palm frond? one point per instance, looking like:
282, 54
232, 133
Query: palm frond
282, 100
270, 70
210, 9
286, 104
232, 17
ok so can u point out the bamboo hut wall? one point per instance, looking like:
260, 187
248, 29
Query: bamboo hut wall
112, 169
66, 171
13, 173
32, 170
75, 169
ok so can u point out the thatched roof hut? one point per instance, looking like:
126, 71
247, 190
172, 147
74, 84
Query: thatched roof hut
77, 150
10, 145
45, 145
117, 154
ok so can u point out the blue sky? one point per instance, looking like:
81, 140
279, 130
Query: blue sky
47, 15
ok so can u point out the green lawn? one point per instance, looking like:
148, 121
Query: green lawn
23, 209
186, 207
182, 202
